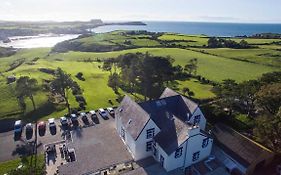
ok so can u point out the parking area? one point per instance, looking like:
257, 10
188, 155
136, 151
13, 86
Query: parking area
95, 147
11, 148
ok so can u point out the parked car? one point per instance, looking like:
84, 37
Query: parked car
29, 129
52, 123
94, 116
52, 126
103, 113
74, 119
84, 118
41, 128
110, 111
18, 127
63, 121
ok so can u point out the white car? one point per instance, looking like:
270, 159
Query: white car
92, 112
82, 114
110, 111
18, 126
51, 122
63, 121
103, 113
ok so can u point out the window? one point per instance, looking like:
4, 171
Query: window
178, 152
123, 133
150, 133
195, 156
205, 142
196, 119
149, 146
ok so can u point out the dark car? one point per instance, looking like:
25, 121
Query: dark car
94, 116
84, 118
17, 130
41, 128
29, 131
64, 123
74, 120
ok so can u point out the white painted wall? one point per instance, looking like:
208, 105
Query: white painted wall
129, 141
194, 144
141, 141
202, 123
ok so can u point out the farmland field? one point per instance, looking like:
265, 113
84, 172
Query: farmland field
213, 64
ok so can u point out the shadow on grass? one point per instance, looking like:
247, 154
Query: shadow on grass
44, 110
23, 150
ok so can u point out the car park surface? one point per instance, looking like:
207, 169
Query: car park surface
11, 148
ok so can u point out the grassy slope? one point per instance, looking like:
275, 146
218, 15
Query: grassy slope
260, 56
212, 67
96, 91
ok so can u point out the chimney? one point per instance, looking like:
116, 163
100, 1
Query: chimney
193, 130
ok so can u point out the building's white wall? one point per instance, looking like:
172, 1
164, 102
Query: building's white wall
129, 141
141, 141
194, 144
202, 123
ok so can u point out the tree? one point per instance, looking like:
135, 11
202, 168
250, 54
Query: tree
268, 98
191, 66
185, 90
268, 130
114, 82
227, 92
21, 104
148, 73
26, 87
62, 84
213, 42
246, 91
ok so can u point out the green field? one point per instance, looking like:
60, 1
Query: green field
10, 165
213, 64
266, 56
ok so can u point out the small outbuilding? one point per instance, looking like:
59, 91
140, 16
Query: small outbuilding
244, 155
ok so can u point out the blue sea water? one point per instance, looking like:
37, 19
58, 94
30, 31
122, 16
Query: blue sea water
210, 29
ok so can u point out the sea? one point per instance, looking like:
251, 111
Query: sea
205, 28
210, 29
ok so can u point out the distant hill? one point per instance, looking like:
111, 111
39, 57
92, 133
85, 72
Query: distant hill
14, 28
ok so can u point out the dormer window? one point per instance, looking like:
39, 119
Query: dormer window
150, 133
196, 119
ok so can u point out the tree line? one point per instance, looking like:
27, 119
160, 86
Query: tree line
62, 83
261, 100
215, 42
144, 73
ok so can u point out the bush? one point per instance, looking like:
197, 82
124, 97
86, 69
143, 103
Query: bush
79, 75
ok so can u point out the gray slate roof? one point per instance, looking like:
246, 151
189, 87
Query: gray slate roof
169, 113
133, 117
190, 104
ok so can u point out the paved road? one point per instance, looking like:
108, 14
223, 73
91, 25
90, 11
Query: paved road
11, 149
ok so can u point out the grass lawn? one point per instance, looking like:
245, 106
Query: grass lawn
95, 89
260, 56
191, 40
7, 166
201, 91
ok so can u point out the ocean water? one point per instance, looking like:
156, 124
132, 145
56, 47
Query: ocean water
36, 41
210, 29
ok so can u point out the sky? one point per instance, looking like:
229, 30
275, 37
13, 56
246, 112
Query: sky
244, 11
